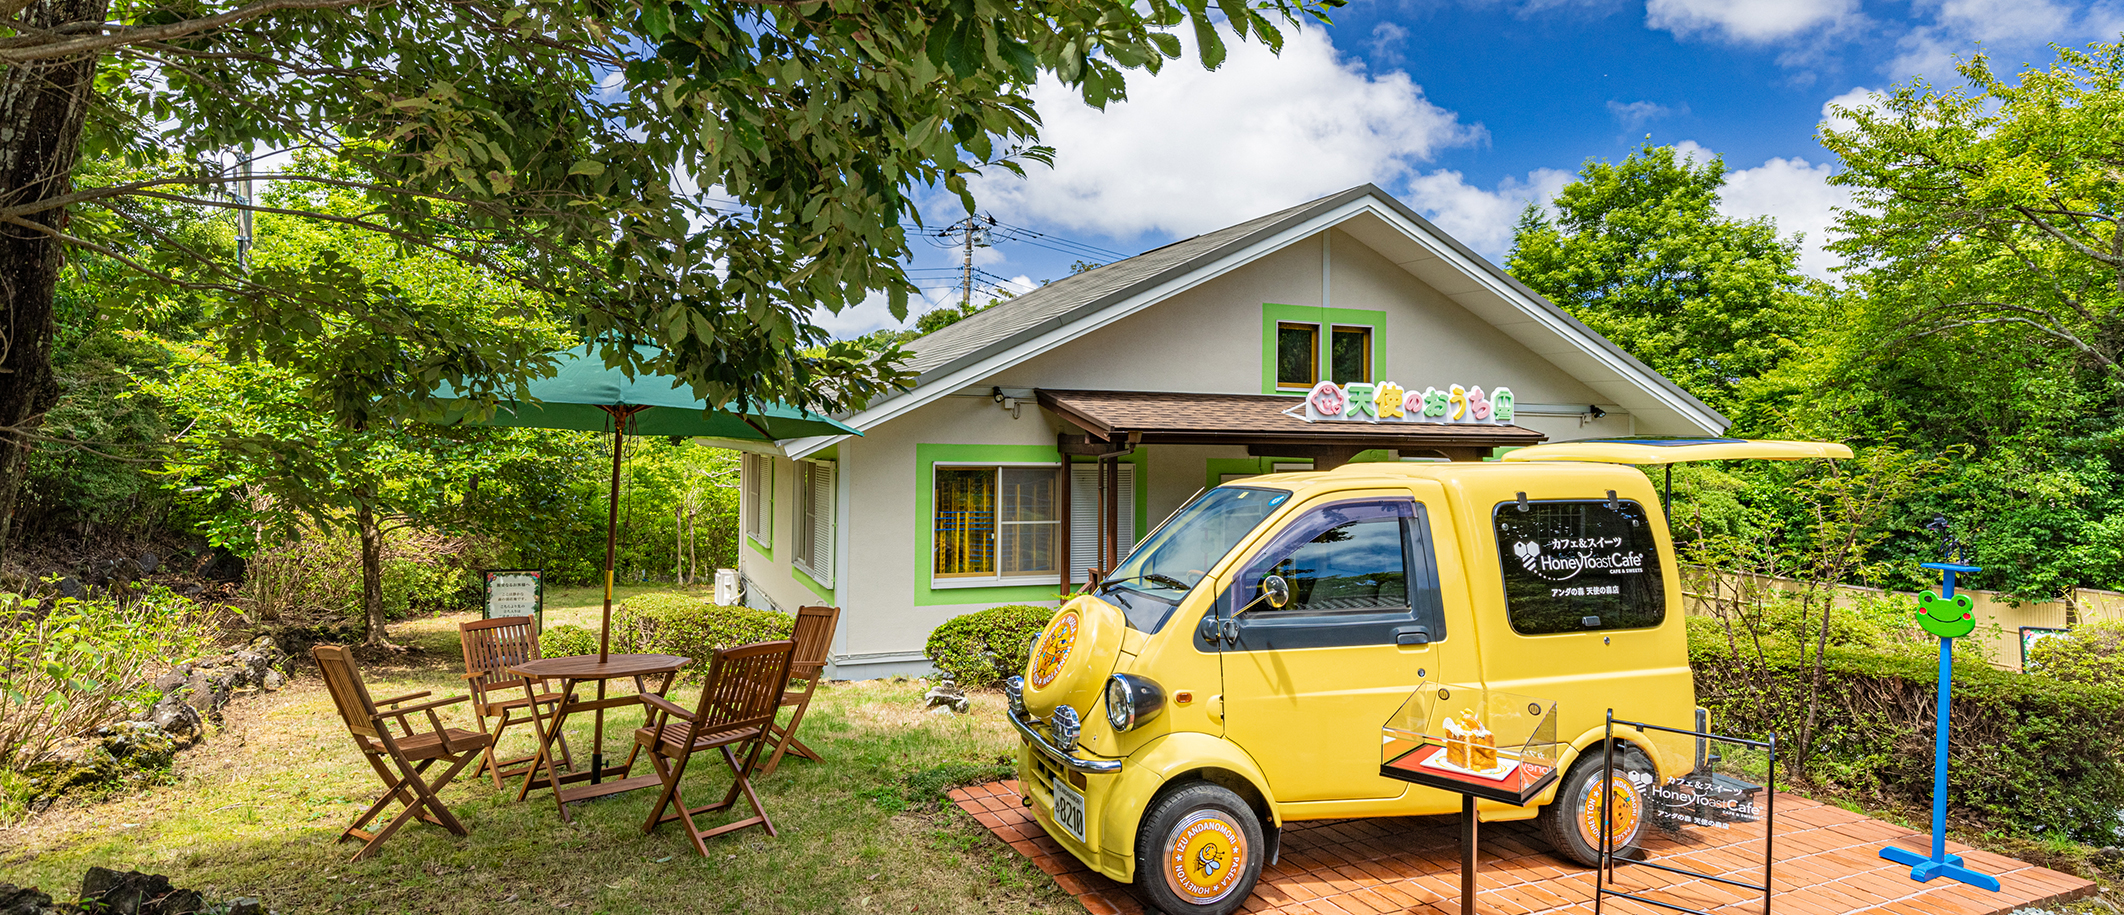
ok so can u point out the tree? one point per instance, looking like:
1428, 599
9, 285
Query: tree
307, 429
1640, 253
1996, 206
555, 142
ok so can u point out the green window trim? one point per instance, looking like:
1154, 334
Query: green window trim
1326, 319
824, 593
928, 456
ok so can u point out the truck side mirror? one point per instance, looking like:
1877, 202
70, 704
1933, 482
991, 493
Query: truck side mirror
1276, 590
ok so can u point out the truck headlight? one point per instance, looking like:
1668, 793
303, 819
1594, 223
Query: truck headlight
1132, 700
1063, 726
1014, 691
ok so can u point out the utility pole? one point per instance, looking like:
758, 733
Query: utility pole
973, 231
243, 216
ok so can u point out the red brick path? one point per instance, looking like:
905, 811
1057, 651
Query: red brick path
1827, 864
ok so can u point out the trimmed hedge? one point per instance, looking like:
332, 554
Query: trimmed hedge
692, 628
2028, 755
984, 647
567, 640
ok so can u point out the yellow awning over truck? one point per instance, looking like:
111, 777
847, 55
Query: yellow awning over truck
1678, 450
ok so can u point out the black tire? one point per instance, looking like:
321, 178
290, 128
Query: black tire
1571, 823
1199, 851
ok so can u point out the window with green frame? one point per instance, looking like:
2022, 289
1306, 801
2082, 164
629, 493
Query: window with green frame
995, 522
1297, 355
1350, 354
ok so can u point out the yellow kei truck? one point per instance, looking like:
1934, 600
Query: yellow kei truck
1233, 673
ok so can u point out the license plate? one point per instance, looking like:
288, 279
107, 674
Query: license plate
1069, 809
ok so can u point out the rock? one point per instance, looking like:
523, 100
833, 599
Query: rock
23, 900
139, 744
225, 566
273, 679
134, 893
180, 721
244, 905
169, 681
147, 562
72, 587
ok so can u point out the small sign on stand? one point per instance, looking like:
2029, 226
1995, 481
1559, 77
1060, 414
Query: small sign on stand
515, 592
1709, 796
1474, 742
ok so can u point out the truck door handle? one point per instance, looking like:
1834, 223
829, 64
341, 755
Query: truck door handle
1412, 635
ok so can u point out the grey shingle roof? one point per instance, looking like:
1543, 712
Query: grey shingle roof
1062, 301
1058, 304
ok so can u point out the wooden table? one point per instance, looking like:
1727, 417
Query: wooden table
572, 671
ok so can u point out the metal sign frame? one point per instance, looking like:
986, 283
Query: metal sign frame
1604, 872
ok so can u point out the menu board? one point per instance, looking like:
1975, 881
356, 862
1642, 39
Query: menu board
515, 592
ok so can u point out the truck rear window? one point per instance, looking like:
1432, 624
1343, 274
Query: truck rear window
1579, 566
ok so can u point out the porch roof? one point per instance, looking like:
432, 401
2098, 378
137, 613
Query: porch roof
1258, 421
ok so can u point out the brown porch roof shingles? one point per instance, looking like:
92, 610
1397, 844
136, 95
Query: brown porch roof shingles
1159, 417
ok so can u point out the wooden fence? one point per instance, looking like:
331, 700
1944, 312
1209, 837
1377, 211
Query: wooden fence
2004, 625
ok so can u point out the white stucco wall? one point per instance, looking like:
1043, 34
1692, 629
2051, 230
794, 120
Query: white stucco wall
1208, 339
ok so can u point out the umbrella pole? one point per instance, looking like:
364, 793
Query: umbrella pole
604, 629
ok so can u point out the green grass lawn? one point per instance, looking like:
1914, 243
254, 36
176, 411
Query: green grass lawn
256, 809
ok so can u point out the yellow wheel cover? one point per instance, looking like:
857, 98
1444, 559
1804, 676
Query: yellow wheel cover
1629, 809
1054, 649
1204, 857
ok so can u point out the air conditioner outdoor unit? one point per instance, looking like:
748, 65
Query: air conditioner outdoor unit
726, 587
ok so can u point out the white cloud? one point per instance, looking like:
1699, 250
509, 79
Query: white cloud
1637, 114
2009, 30
1481, 219
1793, 192
1747, 21
1191, 151
1386, 44
1859, 98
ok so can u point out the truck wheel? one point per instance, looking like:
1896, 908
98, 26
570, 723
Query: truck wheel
1198, 851
1572, 822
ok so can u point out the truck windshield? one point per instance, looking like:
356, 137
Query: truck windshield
1161, 570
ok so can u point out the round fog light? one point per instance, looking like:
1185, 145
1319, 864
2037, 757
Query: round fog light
1064, 727
1014, 692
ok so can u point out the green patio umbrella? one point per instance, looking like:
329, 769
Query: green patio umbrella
587, 396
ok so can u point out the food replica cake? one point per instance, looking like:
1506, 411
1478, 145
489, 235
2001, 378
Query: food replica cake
1468, 744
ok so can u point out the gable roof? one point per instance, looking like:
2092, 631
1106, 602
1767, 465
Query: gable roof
1012, 331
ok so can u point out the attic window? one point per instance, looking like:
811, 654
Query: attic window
1297, 355
1351, 355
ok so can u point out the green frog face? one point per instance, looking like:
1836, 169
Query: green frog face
1945, 617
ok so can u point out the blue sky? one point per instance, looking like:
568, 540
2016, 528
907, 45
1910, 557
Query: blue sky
1469, 109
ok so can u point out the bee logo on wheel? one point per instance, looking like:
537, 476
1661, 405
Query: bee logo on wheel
1054, 649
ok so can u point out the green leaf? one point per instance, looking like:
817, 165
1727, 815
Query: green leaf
1209, 45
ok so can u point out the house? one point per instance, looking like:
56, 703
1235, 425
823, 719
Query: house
1047, 434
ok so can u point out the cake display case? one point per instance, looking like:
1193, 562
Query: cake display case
1486, 743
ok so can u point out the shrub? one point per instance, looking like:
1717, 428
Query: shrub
312, 585
982, 648
566, 640
2092, 653
70, 666
690, 627
2028, 755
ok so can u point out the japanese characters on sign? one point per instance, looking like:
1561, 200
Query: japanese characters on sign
1388, 402
514, 592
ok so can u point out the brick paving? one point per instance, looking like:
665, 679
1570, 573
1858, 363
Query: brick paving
1827, 864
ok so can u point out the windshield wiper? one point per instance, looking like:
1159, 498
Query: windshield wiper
1153, 577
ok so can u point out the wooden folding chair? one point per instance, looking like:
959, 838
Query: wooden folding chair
409, 754
738, 702
814, 638
491, 647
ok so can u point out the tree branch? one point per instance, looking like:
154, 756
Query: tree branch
27, 53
